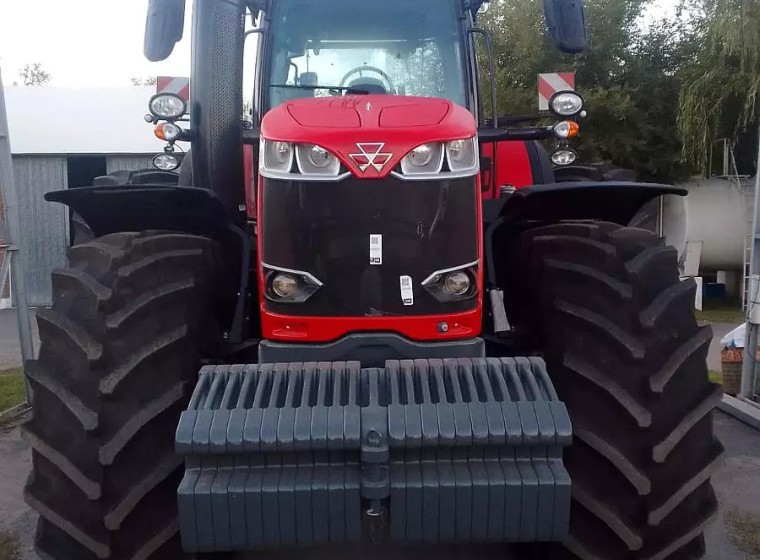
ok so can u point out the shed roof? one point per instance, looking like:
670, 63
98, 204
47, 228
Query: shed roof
58, 120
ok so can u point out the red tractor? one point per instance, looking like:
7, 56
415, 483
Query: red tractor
393, 346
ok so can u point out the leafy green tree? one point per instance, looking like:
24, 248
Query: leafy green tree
33, 74
149, 81
721, 94
630, 77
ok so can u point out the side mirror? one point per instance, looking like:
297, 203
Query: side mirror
163, 28
566, 23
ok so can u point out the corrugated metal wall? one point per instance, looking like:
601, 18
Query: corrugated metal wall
44, 225
128, 163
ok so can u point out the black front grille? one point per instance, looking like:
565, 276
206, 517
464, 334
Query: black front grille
325, 228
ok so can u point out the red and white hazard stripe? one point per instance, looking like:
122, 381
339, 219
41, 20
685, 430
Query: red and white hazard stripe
551, 83
172, 84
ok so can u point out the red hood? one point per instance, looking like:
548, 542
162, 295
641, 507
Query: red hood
385, 125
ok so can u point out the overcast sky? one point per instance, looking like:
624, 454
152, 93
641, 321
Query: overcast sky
82, 42
95, 42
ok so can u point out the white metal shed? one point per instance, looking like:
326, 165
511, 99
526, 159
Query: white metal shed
62, 138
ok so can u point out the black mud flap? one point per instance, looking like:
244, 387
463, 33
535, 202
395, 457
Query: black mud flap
420, 451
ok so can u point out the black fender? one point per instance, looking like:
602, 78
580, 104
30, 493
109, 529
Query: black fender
110, 209
612, 201
114, 208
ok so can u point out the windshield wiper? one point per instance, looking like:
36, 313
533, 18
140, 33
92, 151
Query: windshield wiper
336, 89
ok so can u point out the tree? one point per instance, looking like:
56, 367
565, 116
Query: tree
33, 74
721, 95
149, 81
629, 75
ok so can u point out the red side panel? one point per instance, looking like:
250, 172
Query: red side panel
512, 166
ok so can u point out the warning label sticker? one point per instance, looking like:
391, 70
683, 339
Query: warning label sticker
375, 249
407, 292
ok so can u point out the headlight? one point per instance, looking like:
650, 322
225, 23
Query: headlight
319, 157
566, 103
284, 285
168, 106
316, 160
421, 155
456, 150
456, 283
564, 157
275, 156
166, 162
462, 156
453, 284
566, 129
426, 159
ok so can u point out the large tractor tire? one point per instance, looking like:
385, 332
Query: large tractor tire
120, 349
616, 327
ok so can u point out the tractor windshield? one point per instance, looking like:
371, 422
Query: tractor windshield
330, 47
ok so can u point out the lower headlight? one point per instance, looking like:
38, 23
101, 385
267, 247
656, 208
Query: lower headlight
453, 284
284, 285
564, 157
166, 162
457, 283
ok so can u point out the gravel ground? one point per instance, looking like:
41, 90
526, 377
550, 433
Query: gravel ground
737, 485
15, 463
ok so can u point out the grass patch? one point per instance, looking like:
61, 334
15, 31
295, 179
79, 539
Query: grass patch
721, 311
11, 390
10, 547
744, 530
715, 377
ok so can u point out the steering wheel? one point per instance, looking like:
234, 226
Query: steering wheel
360, 69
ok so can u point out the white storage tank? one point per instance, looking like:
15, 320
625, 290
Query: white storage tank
709, 227
720, 216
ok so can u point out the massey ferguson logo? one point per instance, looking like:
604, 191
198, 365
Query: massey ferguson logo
371, 155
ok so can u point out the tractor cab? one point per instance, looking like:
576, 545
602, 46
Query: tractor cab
332, 48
